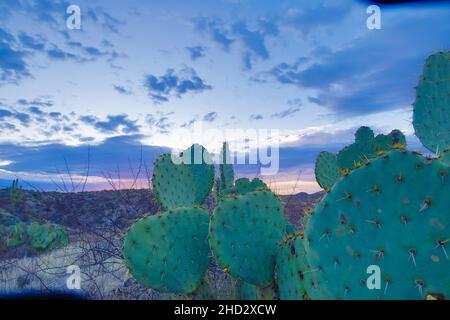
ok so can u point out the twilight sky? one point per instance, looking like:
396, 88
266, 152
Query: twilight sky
138, 72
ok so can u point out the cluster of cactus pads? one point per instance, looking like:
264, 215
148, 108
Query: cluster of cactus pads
384, 206
330, 167
39, 237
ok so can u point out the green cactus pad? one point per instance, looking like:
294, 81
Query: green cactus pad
355, 155
431, 117
326, 170
244, 235
16, 235
173, 184
291, 269
393, 213
199, 161
363, 135
169, 252
388, 142
244, 290
244, 185
367, 147
47, 236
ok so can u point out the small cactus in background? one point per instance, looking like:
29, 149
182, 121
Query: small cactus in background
46, 236
431, 115
16, 235
15, 193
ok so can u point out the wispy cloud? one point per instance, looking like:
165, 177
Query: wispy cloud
122, 90
113, 123
13, 66
285, 113
210, 116
256, 117
252, 39
196, 52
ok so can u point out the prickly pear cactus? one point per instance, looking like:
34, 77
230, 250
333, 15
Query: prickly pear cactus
199, 162
173, 184
244, 185
16, 235
367, 147
393, 213
395, 139
244, 290
185, 180
326, 170
356, 154
169, 252
226, 168
244, 235
47, 236
431, 116
363, 135
291, 269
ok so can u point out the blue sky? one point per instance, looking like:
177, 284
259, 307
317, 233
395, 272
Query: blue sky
139, 70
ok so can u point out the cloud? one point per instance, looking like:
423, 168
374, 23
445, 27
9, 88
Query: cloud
36, 102
316, 14
30, 42
285, 113
105, 20
39, 166
210, 116
36, 111
371, 73
173, 84
196, 52
122, 90
23, 118
252, 38
12, 61
256, 117
316, 100
56, 53
88, 119
114, 123
162, 122
189, 123
216, 29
